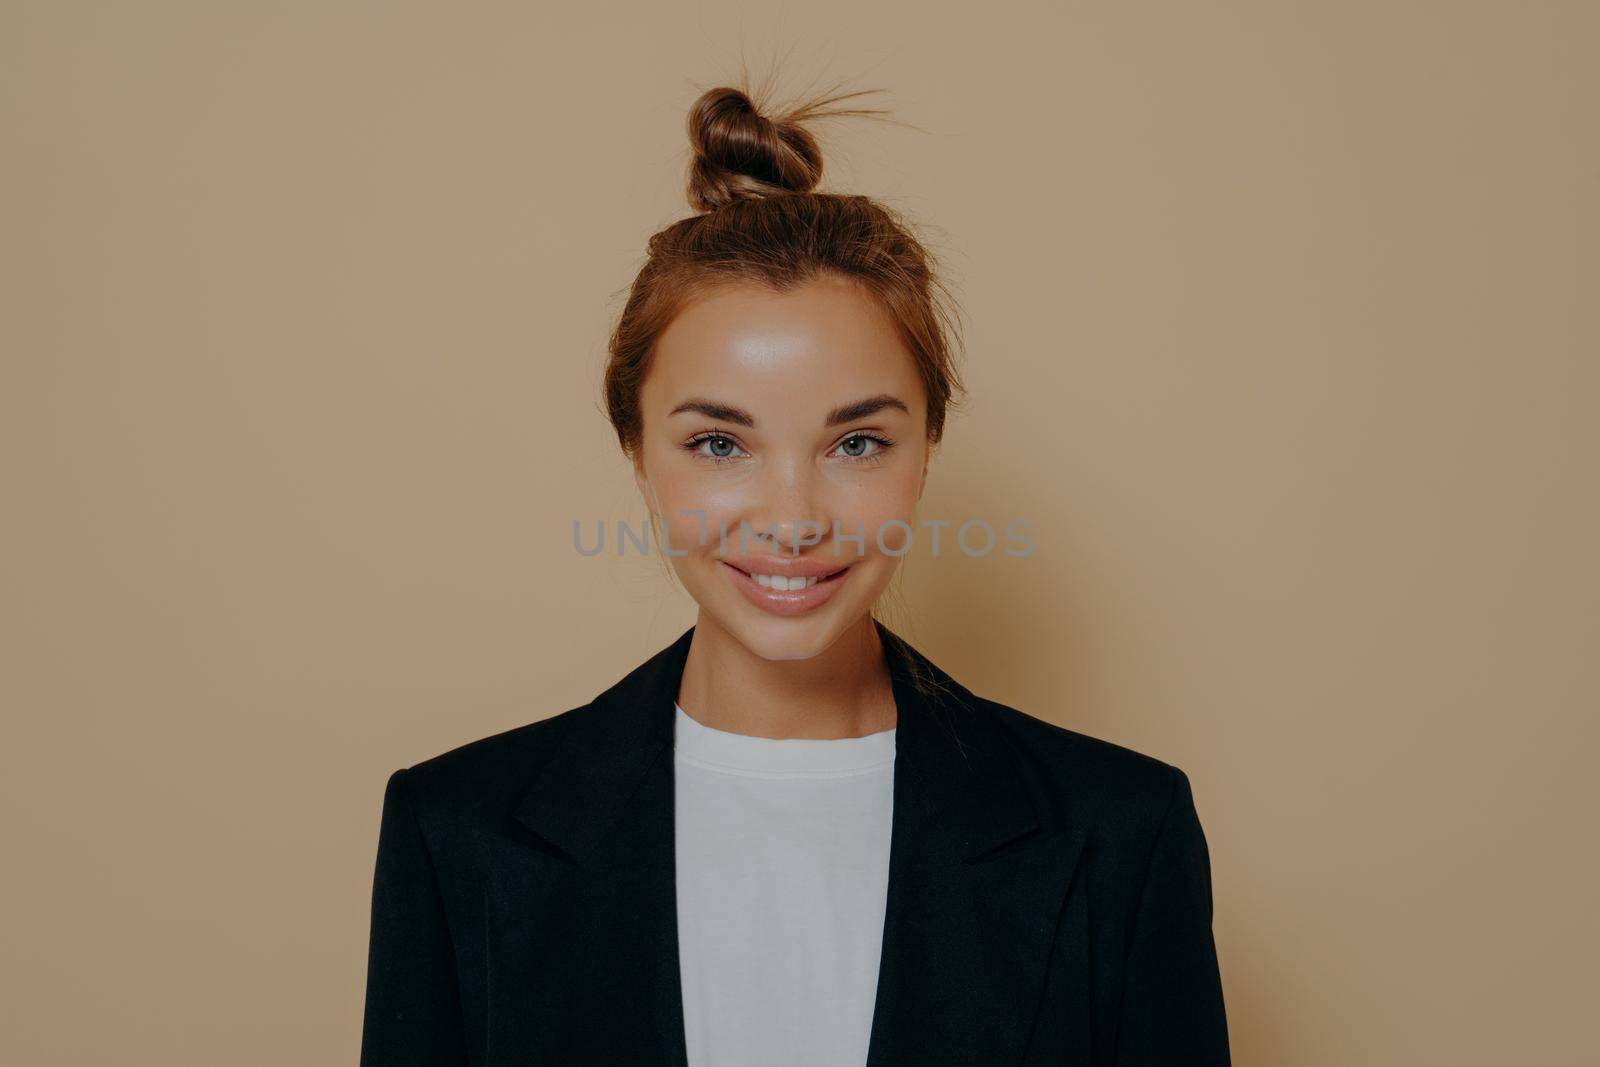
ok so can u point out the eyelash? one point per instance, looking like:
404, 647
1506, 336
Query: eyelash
692, 446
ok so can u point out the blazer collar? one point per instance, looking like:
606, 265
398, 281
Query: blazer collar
957, 794
978, 889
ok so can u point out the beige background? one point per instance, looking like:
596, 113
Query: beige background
1281, 332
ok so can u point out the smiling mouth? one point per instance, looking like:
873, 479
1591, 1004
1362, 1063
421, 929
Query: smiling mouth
780, 584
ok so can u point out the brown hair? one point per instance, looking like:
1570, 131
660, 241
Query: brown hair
760, 220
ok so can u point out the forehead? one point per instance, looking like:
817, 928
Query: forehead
745, 342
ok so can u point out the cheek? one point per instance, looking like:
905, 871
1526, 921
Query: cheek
885, 512
695, 512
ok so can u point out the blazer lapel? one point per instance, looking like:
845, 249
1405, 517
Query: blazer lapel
582, 907
976, 885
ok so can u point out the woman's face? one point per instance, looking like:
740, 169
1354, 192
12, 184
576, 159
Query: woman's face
771, 422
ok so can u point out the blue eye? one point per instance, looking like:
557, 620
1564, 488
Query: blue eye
717, 441
878, 445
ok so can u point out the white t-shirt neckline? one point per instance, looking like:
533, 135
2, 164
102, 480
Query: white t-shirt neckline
773, 757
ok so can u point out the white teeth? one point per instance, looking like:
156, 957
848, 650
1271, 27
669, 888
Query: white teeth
778, 581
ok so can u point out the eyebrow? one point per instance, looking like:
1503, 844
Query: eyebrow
858, 409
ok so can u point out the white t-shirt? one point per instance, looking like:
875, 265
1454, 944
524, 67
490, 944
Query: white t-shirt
782, 876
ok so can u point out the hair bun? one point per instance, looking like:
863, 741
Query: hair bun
741, 153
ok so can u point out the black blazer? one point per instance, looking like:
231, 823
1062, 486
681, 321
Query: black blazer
1049, 894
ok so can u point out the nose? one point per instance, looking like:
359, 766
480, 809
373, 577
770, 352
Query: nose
787, 512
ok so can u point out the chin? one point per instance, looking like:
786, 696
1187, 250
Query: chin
776, 638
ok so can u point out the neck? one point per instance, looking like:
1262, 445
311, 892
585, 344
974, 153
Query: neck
843, 691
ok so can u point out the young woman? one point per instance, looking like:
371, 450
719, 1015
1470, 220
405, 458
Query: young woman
788, 837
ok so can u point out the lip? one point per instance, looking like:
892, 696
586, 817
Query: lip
790, 601
788, 566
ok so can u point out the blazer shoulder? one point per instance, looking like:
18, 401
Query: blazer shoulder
488, 772
1106, 784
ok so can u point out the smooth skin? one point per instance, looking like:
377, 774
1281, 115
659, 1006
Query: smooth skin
787, 361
